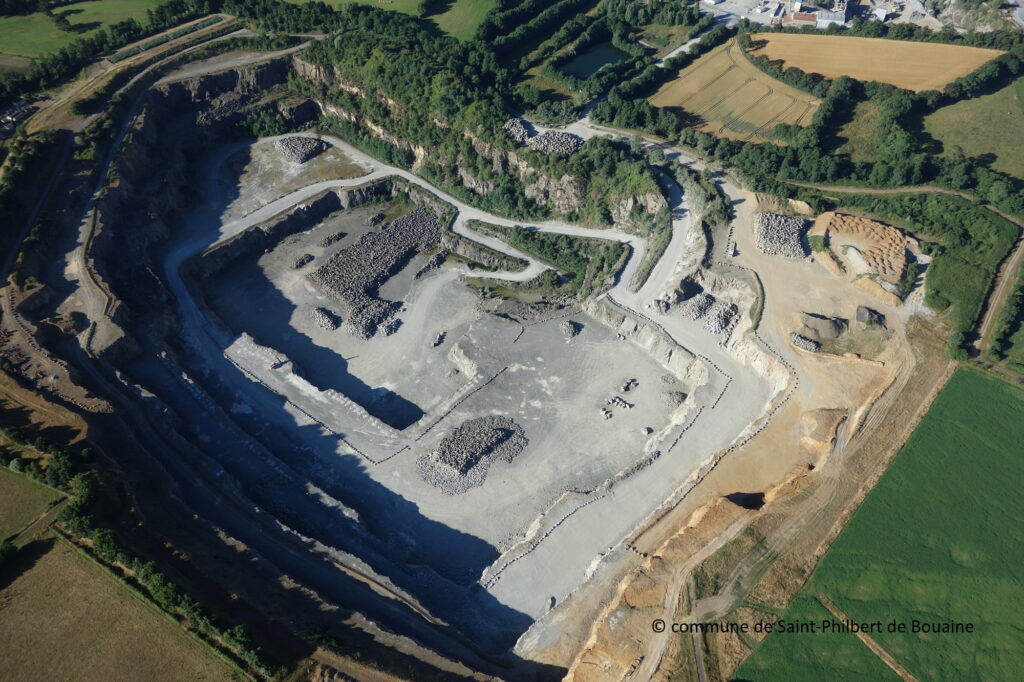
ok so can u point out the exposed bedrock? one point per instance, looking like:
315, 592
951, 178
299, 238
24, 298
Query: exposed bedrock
670, 355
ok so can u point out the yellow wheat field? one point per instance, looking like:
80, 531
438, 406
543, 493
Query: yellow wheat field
733, 98
913, 66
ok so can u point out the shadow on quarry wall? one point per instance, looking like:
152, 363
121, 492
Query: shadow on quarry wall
322, 367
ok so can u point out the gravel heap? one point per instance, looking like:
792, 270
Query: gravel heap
696, 307
570, 328
392, 326
805, 343
720, 317
464, 455
821, 327
325, 319
555, 142
302, 149
515, 129
375, 219
870, 317
303, 260
674, 399
353, 274
780, 235
333, 238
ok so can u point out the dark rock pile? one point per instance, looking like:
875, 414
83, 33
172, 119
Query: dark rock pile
354, 274
870, 317
555, 142
325, 319
570, 328
780, 235
303, 260
822, 328
302, 149
332, 239
515, 129
464, 455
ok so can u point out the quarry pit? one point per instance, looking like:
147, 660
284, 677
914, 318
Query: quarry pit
322, 385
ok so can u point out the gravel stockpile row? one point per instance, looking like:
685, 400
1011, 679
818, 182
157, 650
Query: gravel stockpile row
780, 235
802, 342
720, 317
302, 149
325, 319
333, 238
303, 260
515, 129
697, 306
353, 274
555, 142
464, 455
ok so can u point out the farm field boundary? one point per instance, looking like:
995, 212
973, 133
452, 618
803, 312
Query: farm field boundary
934, 542
910, 65
733, 98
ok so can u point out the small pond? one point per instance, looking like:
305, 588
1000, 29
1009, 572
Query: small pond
585, 65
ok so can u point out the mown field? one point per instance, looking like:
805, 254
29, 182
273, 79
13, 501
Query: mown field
22, 501
987, 125
34, 35
65, 619
940, 538
909, 65
733, 98
460, 19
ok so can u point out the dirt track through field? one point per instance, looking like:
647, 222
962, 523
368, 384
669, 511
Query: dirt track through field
869, 641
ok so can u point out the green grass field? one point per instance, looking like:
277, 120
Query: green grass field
991, 124
857, 137
940, 538
460, 19
23, 501
35, 34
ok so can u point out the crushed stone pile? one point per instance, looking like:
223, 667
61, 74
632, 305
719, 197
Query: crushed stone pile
821, 328
570, 328
303, 260
464, 455
674, 399
515, 129
555, 142
354, 274
302, 149
333, 238
696, 307
805, 343
870, 317
325, 319
780, 235
720, 317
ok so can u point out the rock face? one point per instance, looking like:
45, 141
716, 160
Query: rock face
822, 328
651, 203
870, 317
464, 455
564, 194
